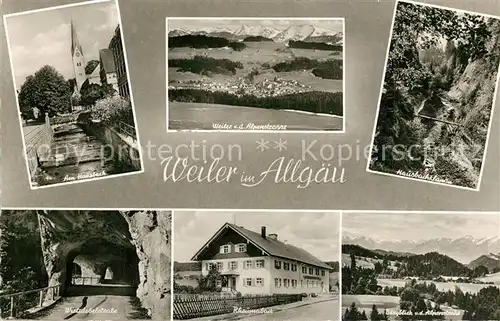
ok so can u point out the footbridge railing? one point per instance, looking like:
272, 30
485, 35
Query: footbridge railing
85, 280
15, 305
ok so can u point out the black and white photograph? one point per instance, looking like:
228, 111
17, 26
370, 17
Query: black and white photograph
73, 93
85, 264
256, 265
437, 97
255, 74
421, 266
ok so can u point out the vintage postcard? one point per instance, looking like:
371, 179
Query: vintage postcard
255, 74
85, 264
420, 266
73, 93
256, 265
437, 98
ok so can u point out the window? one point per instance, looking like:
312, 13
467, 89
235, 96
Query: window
224, 249
311, 271
277, 264
78, 64
322, 272
233, 265
286, 266
277, 282
317, 271
259, 282
294, 267
242, 247
218, 283
248, 264
304, 270
301, 283
294, 283
248, 282
219, 266
286, 283
259, 263
308, 284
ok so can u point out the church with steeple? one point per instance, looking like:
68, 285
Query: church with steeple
103, 73
78, 60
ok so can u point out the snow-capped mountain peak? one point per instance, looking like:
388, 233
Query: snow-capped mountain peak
463, 249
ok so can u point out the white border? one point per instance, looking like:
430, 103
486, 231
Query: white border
129, 85
382, 88
259, 131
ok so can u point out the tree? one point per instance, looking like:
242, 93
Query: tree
480, 271
91, 93
374, 315
209, 282
89, 68
47, 90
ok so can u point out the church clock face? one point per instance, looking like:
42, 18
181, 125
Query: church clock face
78, 54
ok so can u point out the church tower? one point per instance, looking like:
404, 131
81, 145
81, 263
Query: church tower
78, 59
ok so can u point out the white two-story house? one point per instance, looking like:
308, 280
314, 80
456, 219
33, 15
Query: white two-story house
259, 263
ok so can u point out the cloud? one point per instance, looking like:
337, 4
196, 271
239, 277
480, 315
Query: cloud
418, 226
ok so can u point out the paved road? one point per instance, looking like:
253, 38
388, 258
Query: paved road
323, 311
202, 116
62, 311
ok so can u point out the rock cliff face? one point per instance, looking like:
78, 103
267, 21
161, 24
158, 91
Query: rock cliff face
151, 234
68, 234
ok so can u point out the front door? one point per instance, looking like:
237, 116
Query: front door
233, 283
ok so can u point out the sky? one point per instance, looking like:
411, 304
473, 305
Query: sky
316, 232
416, 226
335, 25
43, 38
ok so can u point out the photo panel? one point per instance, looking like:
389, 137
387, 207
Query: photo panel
256, 265
85, 264
255, 74
437, 97
73, 94
420, 266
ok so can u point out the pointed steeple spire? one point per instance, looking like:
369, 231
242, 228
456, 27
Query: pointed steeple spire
75, 43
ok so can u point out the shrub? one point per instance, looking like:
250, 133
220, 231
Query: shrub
112, 110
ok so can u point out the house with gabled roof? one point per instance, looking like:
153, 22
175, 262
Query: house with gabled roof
259, 263
107, 70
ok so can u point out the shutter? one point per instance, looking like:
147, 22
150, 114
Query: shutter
221, 250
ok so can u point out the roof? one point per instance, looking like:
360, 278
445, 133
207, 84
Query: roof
107, 60
75, 43
270, 246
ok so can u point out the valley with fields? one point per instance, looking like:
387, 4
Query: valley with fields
282, 67
401, 277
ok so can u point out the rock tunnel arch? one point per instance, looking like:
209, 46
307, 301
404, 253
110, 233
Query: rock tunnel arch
139, 241
96, 257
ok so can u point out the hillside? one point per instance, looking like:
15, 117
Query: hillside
429, 265
187, 266
491, 261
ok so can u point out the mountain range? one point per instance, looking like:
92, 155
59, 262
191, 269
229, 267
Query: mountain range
464, 249
305, 32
